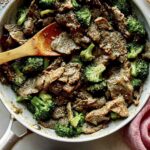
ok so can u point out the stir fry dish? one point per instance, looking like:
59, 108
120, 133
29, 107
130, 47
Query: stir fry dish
99, 74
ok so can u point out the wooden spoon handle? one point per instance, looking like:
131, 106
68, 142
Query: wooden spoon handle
22, 51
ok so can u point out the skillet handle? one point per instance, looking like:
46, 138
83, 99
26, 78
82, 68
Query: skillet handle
10, 138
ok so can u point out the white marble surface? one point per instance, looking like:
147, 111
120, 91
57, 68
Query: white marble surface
35, 142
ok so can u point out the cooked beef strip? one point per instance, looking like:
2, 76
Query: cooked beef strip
119, 83
59, 46
42, 82
8, 72
119, 20
89, 129
117, 105
64, 6
103, 23
68, 20
48, 76
49, 124
93, 32
81, 39
69, 80
29, 27
34, 11
15, 33
61, 100
113, 44
85, 102
59, 112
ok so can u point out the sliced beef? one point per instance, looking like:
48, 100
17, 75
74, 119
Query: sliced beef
59, 112
34, 11
93, 33
49, 124
16, 33
71, 74
103, 23
41, 82
120, 21
29, 27
119, 84
61, 100
69, 80
114, 45
64, 44
89, 129
81, 39
68, 20
64, 6
8, 72
85, 102
117, 105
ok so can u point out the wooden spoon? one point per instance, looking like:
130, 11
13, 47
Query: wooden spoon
38, 45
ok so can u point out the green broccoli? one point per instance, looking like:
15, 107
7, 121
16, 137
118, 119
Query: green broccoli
19, 78
136, 83
139, 69
75, 4
84, 16
33, 64
123, 6
114, 116
22, 99
67, 130
135, 27
93, 73
98, 88
77, 120
86, 55
134, 50
43, 105
21, 16
46, 12
46, 3
76, 59
46, 62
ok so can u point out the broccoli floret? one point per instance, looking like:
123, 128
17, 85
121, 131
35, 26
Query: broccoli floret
22, 14
84, 16
46, 62
19, 77
134, 50
136, 83
75, 4
46, 3
33, 64
43, 105
67, 130
123, 6
76, 59
140, 69
86, 55
98, 88
23, 99
93, 73
135, 27
46, 12
77, 120
114, 116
